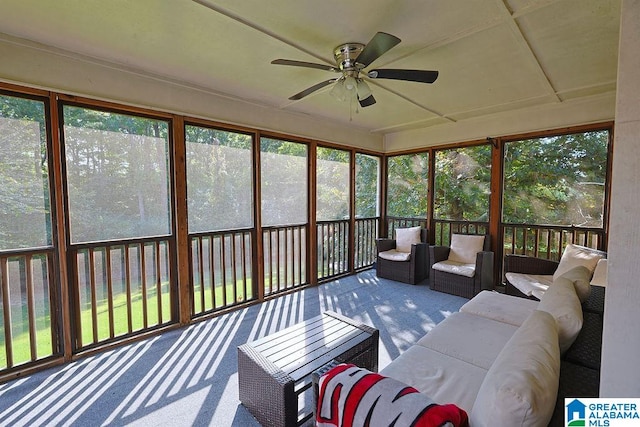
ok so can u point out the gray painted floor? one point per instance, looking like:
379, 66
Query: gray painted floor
188, 377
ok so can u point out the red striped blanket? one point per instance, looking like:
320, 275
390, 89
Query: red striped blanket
350, 396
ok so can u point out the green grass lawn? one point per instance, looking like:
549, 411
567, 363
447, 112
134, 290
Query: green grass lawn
20, 331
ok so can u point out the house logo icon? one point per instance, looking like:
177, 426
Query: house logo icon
575, 415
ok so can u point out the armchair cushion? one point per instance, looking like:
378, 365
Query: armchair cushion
405, 237
394, 255
454, 267
465, 247
574, 256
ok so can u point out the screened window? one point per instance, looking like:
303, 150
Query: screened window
117, 175
556, 180
367, 186
220, 179
332, 192
25, 216
283, 182
463, 183
407, 185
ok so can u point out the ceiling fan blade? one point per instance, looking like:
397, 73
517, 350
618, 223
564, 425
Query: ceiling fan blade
311, 89
304, 64
369, 100
421, 76
379, 44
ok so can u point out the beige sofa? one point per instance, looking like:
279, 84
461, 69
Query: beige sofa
499, 357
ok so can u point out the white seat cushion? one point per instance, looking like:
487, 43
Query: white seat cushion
464, 248
443, 378
405, 237
500, 307
473, 339
530, 283
520, 388
456, 268
394, 255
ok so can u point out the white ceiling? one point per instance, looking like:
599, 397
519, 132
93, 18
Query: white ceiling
493, 55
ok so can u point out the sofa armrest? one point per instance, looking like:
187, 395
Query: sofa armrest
484, 270
437, 254
385, 244
529, 265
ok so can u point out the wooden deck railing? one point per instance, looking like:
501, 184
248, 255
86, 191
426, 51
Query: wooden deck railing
394, 222
365, 242
333, 248
221, 270
548, 241
285, 257
27, 305
120, 288
444, 228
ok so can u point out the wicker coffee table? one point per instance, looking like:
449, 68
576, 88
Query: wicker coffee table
275, 371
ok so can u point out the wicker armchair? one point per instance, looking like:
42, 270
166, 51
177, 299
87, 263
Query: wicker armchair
412, 271
453, 282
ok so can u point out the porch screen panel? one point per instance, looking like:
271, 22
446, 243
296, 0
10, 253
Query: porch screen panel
554, 192
27, 294
367, 208
119, 206
284, 190
220, 203
462, 191
407, 189
332, 213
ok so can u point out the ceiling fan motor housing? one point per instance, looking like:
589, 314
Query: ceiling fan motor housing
346, 55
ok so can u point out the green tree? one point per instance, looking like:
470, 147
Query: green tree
462, 183
557, 180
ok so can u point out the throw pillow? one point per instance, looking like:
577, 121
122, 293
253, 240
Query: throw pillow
465, 247
521, 386
352, 396
574, 256
405, 237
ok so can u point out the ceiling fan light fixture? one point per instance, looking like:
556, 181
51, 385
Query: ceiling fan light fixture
363, 89
350, 83
339, 91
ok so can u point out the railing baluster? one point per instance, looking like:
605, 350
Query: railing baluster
31, 308
158, 270
212, 270
112, 332
94, 310
6, 310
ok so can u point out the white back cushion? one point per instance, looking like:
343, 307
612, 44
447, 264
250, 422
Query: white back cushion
580, 276
464, 248
405, 237
521, 386
600, 273
574, 256
561, 301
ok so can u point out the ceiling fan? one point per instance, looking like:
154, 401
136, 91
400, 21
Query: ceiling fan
351, 59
